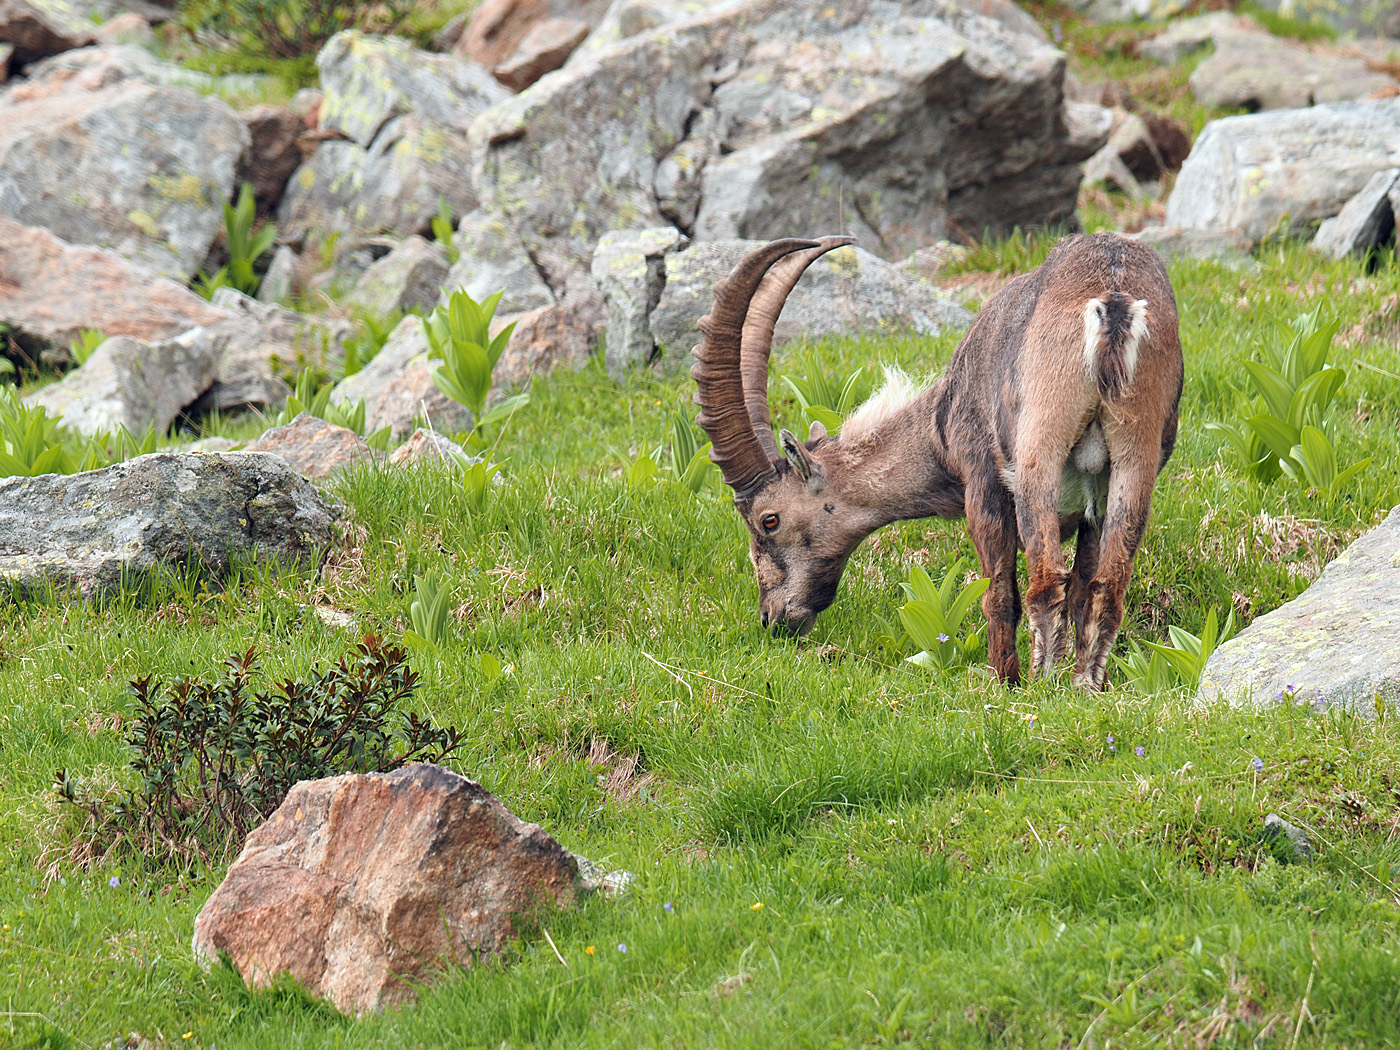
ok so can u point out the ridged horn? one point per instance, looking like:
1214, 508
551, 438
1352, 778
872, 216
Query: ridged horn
756, 341
742, 459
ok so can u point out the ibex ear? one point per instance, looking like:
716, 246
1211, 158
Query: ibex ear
816, 432
808, 469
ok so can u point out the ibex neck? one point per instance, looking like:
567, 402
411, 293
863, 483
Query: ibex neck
896, 467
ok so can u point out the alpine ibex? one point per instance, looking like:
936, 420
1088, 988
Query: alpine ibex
1056, 413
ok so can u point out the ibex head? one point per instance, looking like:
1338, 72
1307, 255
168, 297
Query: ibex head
802, 528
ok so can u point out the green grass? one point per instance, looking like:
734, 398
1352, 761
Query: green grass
940, 862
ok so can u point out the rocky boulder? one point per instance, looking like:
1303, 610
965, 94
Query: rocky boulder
630, 268
845, 292
428, 446
51, 291
1252, 173
404, 113
769, 117
133, 384
1365, 221
360, 887
1254, 71
1126, 10
508, 36
39, 28
408, 278
492, 258
398, 390
313, 447
1329, 645
91, 532
1361, 17
274, 135
95, 153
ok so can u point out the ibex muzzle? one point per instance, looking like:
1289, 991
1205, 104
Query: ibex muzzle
1055, 415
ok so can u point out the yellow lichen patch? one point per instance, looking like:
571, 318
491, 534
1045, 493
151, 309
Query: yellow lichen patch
307, 177
143, 221
182, 189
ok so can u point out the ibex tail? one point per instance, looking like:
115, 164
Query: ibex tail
1114, 328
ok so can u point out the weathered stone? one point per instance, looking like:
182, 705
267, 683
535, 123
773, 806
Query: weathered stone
493, 259
283, 278
557, 336
1363, 17
369, 80
126, 28
445, 39
408, 278
91, 531
39, 28
393, 187
273, 154
1106, 167
1365, 221
1127, 10
133, 384
1295, 837
51, 291
428, 446
543, 49
1332, 645
1258, 71
630, 269
361, 886
313, 447
627, 18
905, 122
7, 51
397, 387
121, 164
498, 28
845, 292
1223, 245
1088, 125
1185, 36
1256, 172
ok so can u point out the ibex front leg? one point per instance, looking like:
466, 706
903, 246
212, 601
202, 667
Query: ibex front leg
991, 522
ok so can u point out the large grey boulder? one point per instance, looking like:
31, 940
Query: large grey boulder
361, 886
92, 532
50, 291
630, 268
1257, 71
1258, 172
99, 155
1333, 645
405, 113
369, 80
1367, 18
1366, 220
899, 121
846, 292
133, 384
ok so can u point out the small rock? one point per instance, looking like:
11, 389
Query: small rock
498, 28
1257, 71
494, 259
50, 291
133, 384
445, 39
1276, 827
428, 446
557, 336
127, 28
408, 278
542, 50
313, 447
1224, 245
283, 278
630, 269
1186, 36
398, 390
38, 29
95, 530
1365, 221
361, 886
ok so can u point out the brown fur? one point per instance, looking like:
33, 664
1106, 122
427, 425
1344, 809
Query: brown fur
1017, 397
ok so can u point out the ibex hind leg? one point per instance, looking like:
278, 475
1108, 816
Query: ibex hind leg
1047, 593
1129, 499
991, 522
1086, 567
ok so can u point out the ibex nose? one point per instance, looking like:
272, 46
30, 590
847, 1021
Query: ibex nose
763, 616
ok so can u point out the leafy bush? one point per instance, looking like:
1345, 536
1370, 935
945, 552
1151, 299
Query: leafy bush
1178, 665
290, 28
81, 349
1294, 391
372, 331
430, 612
459, 335
213, 758
933, 617
442, 232
827, 399
245, 248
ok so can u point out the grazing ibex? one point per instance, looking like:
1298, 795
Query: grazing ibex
1056, 413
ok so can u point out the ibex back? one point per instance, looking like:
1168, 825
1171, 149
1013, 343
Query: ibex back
1055, 415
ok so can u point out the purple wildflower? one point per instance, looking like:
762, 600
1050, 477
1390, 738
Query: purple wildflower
1057, 33
668, 907
1140, 751
114, 882
1110, 738
942, 637
622, 948
1258, 764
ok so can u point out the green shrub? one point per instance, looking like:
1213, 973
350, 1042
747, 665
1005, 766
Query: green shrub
690, 466
827, 399
81, 349
289, 28
212, 758
1178, 665
459, 336
933, 618
245, 248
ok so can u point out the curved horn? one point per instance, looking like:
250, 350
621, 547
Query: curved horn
742, 459
756, 343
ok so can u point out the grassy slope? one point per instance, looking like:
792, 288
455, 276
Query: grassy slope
932, 864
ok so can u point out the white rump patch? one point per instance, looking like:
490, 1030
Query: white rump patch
1093, 333
897, 392
1136, 334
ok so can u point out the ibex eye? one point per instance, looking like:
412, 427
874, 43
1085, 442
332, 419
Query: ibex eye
769, 522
